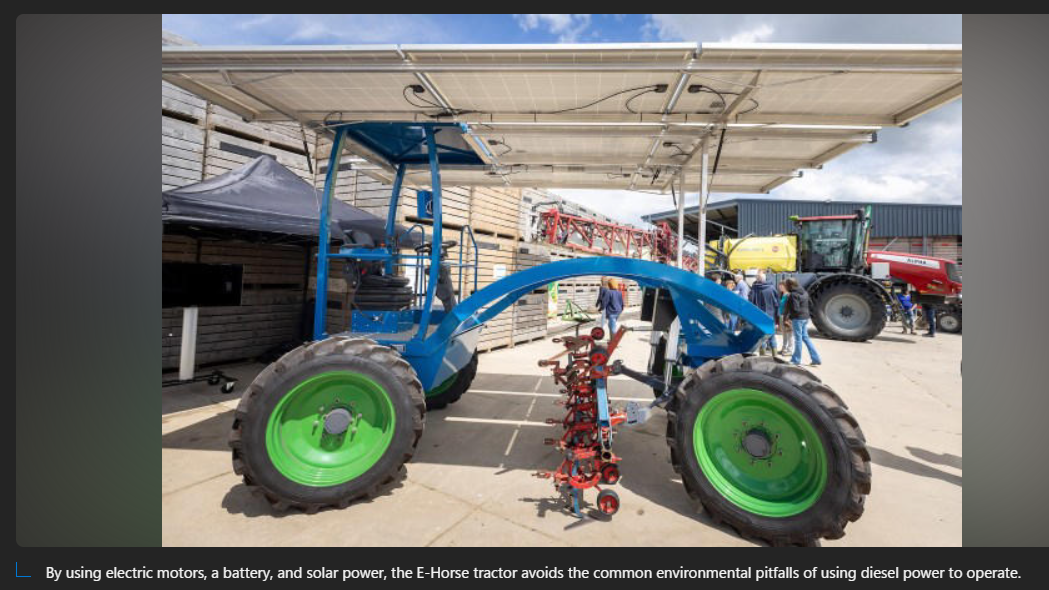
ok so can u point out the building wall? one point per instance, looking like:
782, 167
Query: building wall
767, 217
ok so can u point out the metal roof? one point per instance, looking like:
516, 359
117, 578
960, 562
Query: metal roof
613, 116
764, 217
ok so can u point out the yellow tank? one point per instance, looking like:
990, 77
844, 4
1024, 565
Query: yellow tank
775, 253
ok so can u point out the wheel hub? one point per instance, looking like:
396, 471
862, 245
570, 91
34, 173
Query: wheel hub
757, 443
337, 421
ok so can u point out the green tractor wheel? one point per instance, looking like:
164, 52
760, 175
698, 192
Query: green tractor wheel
767, 449
452, 388
328, 423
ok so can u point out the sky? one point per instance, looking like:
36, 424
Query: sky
919, 163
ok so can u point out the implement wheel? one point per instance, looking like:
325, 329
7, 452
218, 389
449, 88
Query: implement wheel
328, 423
768, 450
453, 387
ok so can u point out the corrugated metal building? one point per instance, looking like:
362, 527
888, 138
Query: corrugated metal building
932, 230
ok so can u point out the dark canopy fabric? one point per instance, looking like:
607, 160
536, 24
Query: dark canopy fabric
265, 196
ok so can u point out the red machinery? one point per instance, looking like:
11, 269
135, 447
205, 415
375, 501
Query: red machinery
929, 275
602, 237
588, 423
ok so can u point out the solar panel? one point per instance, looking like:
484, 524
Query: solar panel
594, 115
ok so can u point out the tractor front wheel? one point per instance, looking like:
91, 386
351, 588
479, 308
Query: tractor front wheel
328, 423
769, 450
453, 388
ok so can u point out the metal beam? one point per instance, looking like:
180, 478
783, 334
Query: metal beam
668, 107
743, 97
206, 92
699, 67
942, 98
697, 119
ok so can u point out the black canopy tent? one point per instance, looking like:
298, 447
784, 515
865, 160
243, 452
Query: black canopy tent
263, 202
265, 197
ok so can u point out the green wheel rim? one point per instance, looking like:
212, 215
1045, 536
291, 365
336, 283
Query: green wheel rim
443, 387
760, 452
305, 453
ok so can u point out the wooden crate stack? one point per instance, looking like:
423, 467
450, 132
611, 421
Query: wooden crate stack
181, 137
496, 211
530, 310
231, 143
496, 258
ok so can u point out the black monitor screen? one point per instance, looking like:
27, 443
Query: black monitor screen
189, 283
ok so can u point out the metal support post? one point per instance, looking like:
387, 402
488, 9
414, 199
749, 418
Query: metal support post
435, 243
704, 193
391, 218
681, 224
320, 309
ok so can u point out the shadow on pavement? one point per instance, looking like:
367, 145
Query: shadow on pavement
893, 461
939, 458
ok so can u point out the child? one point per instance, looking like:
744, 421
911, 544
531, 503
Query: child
904, 297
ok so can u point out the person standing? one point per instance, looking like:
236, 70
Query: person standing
798, 312
904, 297
730, 318
788, 336
600, 298
763, 296
929, 311
611, 303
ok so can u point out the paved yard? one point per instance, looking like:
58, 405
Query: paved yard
471, 481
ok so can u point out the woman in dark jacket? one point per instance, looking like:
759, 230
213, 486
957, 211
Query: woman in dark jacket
797, 310
765, 297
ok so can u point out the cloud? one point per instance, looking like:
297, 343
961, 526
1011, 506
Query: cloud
920, 163
269, 29
753, 35
805, 28
568, 27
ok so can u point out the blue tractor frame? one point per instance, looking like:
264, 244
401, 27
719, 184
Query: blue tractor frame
779, 457
434, 341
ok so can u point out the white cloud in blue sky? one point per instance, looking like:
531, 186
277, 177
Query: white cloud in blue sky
922, 162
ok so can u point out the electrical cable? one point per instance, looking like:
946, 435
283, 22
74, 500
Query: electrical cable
644, 89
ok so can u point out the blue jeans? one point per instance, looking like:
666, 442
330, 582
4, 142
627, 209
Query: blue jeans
801, 334
612, 319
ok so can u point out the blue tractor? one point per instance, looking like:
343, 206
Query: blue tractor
763, 446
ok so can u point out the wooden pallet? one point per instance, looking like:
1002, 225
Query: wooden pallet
496, 211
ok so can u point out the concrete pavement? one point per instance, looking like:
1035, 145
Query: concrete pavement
471, 480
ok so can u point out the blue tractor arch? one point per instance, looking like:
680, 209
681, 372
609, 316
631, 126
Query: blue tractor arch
425, 335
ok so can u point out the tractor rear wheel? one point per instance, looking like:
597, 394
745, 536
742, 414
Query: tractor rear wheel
452, 388
848, 311
328, 423
767, 449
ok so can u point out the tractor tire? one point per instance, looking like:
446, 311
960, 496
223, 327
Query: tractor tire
659, 359
292, 437
848, 311
950, 322
453, 387
767, 449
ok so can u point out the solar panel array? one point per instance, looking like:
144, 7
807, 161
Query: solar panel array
617, 116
